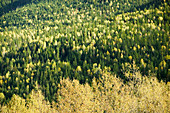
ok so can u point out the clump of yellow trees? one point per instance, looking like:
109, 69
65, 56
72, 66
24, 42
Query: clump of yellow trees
34, 104
107, 94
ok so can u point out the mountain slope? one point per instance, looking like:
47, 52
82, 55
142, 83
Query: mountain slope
40, 43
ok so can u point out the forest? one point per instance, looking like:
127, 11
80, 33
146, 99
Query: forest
84, 56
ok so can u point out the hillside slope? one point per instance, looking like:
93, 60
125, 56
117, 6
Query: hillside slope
44, 42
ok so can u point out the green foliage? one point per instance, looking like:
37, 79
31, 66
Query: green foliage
106, 94
48, 40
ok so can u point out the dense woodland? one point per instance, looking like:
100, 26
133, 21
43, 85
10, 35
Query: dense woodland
99, 47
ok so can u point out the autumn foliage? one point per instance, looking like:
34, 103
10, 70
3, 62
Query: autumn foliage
108, 94
84, 55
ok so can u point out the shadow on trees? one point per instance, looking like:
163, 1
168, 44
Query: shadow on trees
152, 3
14, 4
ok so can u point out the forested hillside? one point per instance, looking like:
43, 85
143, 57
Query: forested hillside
109, 54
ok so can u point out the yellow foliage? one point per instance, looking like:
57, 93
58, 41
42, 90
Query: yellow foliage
110, 94
107, 94
34, 104
130, 57
78, 68
1, 96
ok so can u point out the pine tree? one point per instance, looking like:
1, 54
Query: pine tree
47, 92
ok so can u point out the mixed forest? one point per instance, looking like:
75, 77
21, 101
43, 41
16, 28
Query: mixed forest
84, 56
